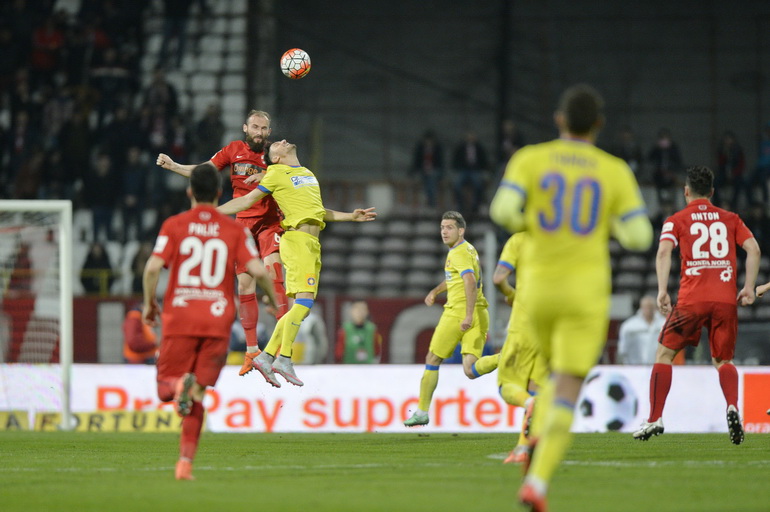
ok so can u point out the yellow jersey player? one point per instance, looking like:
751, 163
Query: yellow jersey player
465, 319
298, 195
570, 196
522, 369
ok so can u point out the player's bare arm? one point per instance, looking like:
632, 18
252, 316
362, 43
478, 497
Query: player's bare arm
150, 308
241, 203
469, 285
500, 280
166, 162
357, 215
747, 296
663, 269
762, 289
255, 178
430, 299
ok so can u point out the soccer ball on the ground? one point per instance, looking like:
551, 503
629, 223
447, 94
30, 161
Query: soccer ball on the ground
607, 402
295, 63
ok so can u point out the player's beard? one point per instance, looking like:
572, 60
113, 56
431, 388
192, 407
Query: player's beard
256, 145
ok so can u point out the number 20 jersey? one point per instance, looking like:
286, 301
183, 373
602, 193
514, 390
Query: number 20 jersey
706, 236
201, 248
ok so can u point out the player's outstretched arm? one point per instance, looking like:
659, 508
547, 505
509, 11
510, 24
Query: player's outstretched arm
746, 296
357, 215
762, 289
241, 203
662, 270
257, 270
150, 308
185, 170
634, 233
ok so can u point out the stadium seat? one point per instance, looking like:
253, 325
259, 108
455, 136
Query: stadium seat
346, 229
365, 244
203, 83
366, 262
633, 262
332, 279
234, 82
399, 228
394, 261
373, 229
360, 278
389, 278
334, 260
427, 228
428, 246
420, 261
421, 279
394, 245
628, 280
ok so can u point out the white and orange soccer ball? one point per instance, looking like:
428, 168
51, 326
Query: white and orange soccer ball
295, 63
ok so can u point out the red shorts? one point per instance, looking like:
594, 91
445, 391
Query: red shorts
267, 235
205, 357
685, 322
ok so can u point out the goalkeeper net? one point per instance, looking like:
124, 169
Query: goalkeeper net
36, 305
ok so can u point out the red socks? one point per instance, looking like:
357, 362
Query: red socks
660, 385
248, 311
728, 379
280, 291
191, 431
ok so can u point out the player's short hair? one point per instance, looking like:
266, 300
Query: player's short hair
700, 179
260, 113
455, 216
205, 183
582, 106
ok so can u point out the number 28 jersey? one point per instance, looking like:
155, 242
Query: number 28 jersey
201, 247
707, 237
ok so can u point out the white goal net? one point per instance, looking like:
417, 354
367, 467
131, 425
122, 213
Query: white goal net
36, 305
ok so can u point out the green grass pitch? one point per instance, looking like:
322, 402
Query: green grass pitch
375, 472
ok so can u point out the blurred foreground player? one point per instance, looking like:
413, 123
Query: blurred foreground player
707, 237
569, 196
201, 248
246, 161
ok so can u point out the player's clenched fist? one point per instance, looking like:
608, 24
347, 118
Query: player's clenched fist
164, 161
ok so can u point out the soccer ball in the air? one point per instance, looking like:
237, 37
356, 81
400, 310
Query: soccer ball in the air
607, 402
295, 63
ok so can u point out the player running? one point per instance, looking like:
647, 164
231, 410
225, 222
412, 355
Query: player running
298, 194
706, 237
465, 318
245, 159
201, 248
522, 370
569, 195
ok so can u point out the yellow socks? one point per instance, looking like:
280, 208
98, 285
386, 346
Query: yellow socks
486, 364
554, 440
428, 386
286, 330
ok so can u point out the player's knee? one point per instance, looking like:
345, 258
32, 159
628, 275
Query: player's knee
470, 372
165, 391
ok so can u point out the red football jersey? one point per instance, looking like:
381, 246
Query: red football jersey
243, 163
707, 237
201, 248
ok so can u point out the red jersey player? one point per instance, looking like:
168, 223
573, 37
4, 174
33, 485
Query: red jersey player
245, 158
707, 237
201, 248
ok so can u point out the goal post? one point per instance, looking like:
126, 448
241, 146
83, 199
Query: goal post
37, 234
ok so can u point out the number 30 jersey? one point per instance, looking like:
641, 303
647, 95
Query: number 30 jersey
707, 237
201, 247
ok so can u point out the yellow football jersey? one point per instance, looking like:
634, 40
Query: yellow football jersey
509, 258
297, 193
460, 259
573, 190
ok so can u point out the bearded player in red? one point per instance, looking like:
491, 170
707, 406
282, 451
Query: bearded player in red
707, 237
202, 248
246, 158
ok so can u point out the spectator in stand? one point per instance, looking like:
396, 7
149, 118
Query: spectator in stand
666, 161
511, 140
358, 341
47, 46
138, 263
101, 192
731, 164
428, 164
471, 165
209, 132
312, 344
30, 175
21, 142
626, 147
75, 141
161, 94
140, 343
176, 13
11, 57
97, 274
113, 81
134, 192
762, 172
758, 223
638, 338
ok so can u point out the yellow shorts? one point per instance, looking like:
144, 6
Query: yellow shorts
520, 359
301, 255
570, 331
448, 334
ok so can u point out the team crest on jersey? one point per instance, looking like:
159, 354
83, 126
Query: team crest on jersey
303, 181
204, 216
702, 207
311, 280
